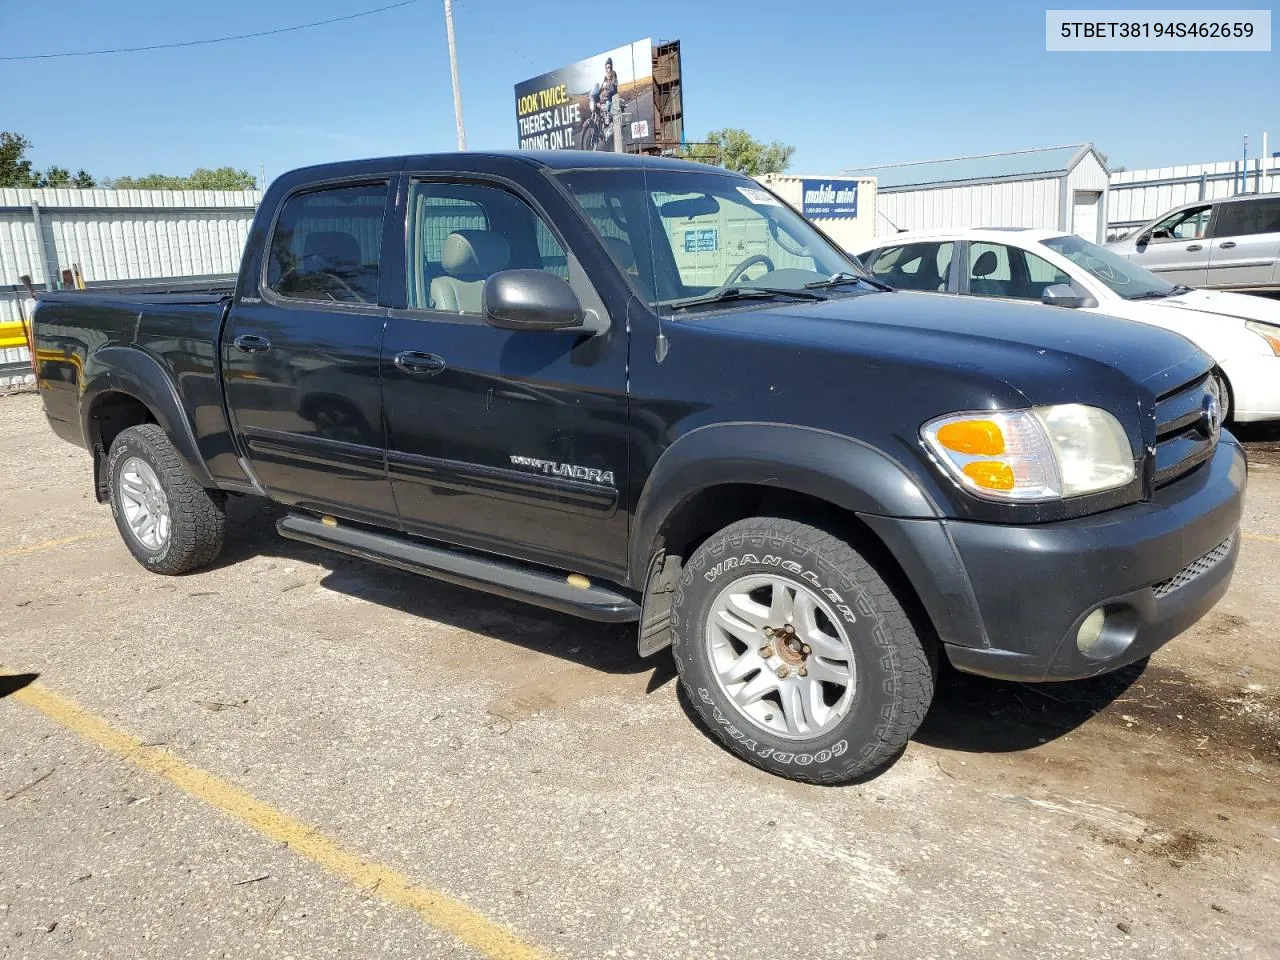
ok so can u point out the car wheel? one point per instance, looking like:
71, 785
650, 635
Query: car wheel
796, 654
168, 521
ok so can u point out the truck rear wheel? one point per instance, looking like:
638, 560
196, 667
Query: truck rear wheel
796, 654
168, 521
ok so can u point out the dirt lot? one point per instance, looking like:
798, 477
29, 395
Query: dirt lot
531, 767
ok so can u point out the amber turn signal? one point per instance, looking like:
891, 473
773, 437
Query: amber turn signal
980, 437
991, 474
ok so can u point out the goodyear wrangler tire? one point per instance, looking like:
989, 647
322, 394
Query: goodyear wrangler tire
169, 522
795, 654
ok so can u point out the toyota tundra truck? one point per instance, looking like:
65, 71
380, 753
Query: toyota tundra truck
646, 390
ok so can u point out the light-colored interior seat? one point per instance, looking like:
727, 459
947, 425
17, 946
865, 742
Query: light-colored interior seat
468, 259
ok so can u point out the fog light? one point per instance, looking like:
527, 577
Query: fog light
1090, 631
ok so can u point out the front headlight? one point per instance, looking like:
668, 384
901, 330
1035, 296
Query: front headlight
1268, 332
1045, 453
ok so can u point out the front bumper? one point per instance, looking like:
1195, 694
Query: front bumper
1008, 601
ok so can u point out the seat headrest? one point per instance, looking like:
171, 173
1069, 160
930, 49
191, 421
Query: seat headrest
621, 252
986, 264
333, 248
474, 253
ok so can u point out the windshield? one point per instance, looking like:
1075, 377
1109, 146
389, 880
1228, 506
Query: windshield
683, 236
1127, 279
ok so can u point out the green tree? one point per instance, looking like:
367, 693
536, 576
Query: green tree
735, 149
15, 168
223, 178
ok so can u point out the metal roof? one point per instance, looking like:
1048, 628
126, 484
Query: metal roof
1021, 164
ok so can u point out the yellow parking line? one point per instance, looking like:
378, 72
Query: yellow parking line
51, 544
375, 879
1264, 537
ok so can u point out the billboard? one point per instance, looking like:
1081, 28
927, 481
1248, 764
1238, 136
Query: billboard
557, 110
829, 198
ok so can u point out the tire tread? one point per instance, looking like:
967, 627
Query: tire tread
198, 520
904, 655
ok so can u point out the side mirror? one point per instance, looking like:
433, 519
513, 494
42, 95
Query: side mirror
530, 300
1065, 295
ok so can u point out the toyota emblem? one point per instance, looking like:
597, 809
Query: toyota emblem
1211, 417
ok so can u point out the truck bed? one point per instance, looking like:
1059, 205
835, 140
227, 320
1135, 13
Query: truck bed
152, 338
205, 289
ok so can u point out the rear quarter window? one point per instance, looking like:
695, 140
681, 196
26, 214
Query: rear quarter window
1245, 218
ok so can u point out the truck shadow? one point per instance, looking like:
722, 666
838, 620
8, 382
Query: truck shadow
609, 648
977, 715
969, 714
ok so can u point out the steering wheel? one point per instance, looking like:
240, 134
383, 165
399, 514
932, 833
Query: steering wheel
746, 264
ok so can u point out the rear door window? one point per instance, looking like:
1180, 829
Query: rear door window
1245, 218
327, 244
913, 266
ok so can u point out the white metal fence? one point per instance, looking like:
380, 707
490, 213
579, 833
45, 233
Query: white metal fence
109, 235
1136, 196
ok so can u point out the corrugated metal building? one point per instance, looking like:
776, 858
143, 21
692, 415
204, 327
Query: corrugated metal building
111, 235
1060, 187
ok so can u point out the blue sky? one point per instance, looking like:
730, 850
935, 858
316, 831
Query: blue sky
848, 84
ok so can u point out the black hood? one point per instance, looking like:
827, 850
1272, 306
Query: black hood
1044, 353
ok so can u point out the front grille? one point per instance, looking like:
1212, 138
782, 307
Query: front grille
1194, 570
1185, 437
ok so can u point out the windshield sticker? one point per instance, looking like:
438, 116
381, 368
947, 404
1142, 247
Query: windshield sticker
762, 197
702, 240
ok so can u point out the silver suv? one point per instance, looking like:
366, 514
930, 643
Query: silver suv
1229, 244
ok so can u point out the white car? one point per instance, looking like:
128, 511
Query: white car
1240, 332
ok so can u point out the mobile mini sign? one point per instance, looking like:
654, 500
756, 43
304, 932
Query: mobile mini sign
829, 198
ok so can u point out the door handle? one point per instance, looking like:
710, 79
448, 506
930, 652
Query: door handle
251, 344
412, 361
1226, 246
1195, 246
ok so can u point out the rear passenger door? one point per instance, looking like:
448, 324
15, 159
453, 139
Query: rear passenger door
512, 442
300, 354
1245, 243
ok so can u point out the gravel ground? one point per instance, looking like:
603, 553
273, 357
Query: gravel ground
533, 767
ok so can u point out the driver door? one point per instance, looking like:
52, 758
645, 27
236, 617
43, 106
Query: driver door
507, 441
1177, 249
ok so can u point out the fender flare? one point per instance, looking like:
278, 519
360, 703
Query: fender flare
840, 470
129, 370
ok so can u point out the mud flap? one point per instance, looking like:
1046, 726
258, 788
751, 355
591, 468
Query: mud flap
655, 613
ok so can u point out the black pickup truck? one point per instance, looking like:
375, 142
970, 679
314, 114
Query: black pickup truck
646, 390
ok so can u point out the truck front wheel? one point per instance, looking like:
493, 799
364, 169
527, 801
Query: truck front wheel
168, 521
796, 654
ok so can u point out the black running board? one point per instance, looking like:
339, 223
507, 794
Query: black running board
507, 578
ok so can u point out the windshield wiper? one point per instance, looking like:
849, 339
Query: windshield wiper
723, 294
843, 276
1154, 294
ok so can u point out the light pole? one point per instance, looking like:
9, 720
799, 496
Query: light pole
453, 69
